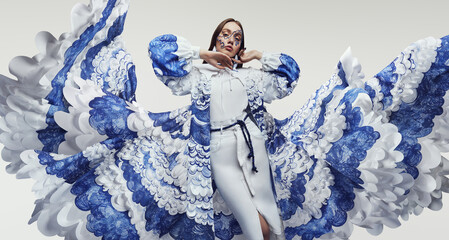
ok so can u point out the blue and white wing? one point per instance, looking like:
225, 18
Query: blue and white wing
70, 96
141, 188
104, 167
31, 103
98, 56
149, 180
365, 152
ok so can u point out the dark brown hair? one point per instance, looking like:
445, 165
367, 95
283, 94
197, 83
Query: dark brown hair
217, 32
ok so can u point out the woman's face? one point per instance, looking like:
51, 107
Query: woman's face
229, 40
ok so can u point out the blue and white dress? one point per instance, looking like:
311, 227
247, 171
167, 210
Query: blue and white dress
359, 152
238, 156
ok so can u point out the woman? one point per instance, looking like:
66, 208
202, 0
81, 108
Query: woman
237, 145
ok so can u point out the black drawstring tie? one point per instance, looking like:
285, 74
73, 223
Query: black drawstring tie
247, 137
248, 141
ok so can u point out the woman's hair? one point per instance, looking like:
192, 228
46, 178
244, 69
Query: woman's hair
217, 32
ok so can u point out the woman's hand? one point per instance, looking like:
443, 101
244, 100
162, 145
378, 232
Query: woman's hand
245, 57
216, 59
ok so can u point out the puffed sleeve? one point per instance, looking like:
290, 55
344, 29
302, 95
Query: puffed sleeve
279, 77
172, 62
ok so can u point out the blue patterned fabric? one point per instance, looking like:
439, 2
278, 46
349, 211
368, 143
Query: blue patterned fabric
53, 135
165, 62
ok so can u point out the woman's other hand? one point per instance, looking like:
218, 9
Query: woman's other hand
245, 56
216, 59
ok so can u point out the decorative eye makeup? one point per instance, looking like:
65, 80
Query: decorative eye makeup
225, 34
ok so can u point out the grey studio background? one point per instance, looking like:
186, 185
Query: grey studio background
315, 33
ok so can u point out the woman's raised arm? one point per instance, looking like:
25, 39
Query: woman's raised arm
280, 75
172, 62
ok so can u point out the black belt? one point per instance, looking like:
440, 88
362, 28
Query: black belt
246, 135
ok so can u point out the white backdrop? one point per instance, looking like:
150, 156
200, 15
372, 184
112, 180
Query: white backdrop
315, 33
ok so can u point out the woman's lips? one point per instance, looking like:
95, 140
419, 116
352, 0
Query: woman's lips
229, 48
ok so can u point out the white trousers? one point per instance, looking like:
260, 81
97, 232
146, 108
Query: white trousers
246, 193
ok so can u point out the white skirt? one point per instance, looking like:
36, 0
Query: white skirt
246, 193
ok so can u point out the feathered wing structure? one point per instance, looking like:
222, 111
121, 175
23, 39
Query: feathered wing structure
94, 51
365, 152
51, 109
104, 168
359, 152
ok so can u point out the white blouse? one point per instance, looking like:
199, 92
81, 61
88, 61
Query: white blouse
228, 98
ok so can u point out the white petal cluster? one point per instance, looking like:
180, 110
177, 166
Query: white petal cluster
111, 65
